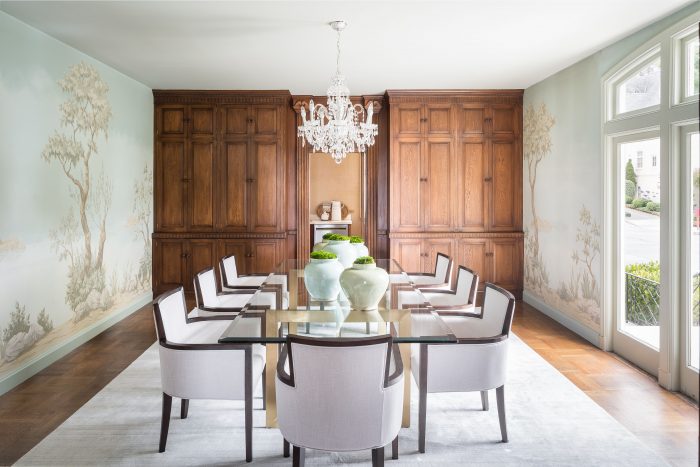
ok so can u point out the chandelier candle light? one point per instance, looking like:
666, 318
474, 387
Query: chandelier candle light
340, 127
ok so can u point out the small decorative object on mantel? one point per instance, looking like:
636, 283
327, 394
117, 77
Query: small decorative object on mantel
324, 215
364, 284
335, 211
321, 276
340, 246
359, 244
325, 206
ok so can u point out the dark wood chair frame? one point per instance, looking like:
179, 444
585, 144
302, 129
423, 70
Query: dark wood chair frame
248, 377
446, 279
453, 291
500, 391
298, 453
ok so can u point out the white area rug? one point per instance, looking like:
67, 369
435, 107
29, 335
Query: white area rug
550, 423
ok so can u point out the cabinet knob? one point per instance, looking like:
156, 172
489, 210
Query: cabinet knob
424, 119
490, 253
488, 179
250, 180
185, 180
250, 120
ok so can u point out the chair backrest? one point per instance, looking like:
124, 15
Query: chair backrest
227, 269
340, 389
205, 288
467, 284
497, 310
170, 314
443, 267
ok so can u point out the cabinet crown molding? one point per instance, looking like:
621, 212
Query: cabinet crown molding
167, 96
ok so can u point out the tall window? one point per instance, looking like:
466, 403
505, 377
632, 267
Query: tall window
651, 233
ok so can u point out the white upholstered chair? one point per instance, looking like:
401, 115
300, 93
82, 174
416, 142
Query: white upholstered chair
274, 287
340, 395
193, 365
477, 362
461, 297
439, 279
210, 302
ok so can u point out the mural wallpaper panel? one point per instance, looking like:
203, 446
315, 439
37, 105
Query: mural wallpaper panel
76, 178
562, 233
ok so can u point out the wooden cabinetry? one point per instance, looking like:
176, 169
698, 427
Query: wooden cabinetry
219, 181
419, 254
456, 167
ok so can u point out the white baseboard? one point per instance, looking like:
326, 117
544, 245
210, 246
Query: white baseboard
40, 362
587, 333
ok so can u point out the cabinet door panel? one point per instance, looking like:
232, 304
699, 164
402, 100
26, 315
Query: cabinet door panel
504, 120
266, 187
201, 255
266, 255
169, 264
234, 191
436, 190
504, 185
439, 120
408, 253
471, 253
238, 248
235, 120
201, 189
472, 119
202, 119
433, 246
506, 260
408, 120
171, 121
406, 183
170, 185
471, 190
265, 119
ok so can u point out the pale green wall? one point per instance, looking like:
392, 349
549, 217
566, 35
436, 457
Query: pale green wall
571, 175
36, 194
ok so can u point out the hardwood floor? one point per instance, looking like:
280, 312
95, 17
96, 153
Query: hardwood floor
664, 421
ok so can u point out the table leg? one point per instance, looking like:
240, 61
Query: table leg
405, 330
271, 351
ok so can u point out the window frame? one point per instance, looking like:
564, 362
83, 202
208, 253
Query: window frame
625, 73
678, 66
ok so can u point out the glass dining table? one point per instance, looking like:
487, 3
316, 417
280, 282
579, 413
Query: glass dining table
296, 312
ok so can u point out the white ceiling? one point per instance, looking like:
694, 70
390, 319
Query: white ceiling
387, 45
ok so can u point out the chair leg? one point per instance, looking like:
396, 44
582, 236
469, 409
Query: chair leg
395, 448
366, 328
248, 404
298, 456
165, 421
485, 400
285, 448
501, 402
422, 396
378, 457
184, 408
264, 388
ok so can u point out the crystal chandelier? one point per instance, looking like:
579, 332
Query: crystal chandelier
340, 127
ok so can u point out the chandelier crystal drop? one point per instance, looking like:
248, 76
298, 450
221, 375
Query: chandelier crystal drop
341, 127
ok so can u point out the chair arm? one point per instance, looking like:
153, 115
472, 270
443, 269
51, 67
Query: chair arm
435, 287
211, 318
398, 367
436, 290
282, 374
482, 340
254, 274
176, 346
220, 309
239, 287
463, 307
429, 274
239, 291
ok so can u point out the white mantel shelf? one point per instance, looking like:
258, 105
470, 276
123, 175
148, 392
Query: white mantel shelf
329, 222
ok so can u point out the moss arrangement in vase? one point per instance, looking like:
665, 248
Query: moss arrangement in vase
364, 260
319, 246
340, 245
321, 275
323, 255
358, 243
364, 284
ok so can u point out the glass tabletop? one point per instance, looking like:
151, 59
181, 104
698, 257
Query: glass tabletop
285, 307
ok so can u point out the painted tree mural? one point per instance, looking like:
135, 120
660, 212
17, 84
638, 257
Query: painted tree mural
537, 144
143, 208
85, 117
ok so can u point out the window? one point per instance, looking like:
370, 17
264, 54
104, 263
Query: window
642, 89
651, 238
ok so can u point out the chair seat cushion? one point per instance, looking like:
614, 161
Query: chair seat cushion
426, 280
247, 281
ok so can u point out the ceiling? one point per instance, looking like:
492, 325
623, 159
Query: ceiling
387, 44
